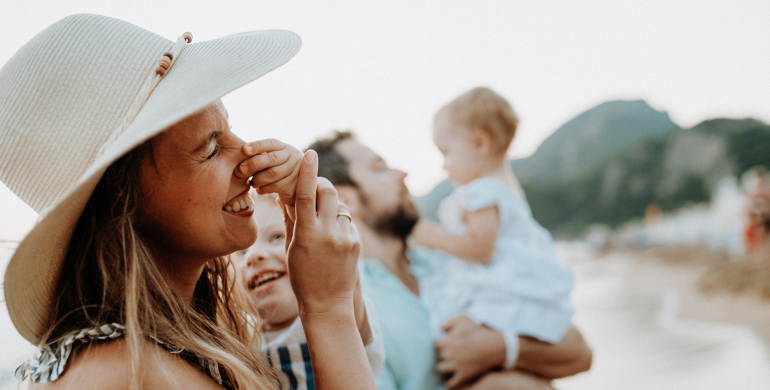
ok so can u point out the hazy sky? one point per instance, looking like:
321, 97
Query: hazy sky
382, 69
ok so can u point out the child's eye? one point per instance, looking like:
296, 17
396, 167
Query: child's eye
214, 153
277, 237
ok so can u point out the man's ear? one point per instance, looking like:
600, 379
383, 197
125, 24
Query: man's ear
482, 141
349, 195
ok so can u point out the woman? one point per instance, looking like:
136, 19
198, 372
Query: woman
118, 138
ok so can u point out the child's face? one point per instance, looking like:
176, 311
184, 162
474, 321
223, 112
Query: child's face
462, 160
263, 268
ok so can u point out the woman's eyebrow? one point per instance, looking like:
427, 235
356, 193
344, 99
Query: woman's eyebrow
207, 141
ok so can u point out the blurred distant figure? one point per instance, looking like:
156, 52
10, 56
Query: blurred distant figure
757, 233
504, 271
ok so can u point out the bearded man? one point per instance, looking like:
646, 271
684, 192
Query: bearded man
467, 355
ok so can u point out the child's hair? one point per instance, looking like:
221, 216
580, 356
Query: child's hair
483, 109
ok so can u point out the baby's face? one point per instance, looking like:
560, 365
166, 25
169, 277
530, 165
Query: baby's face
462, 160
263, 268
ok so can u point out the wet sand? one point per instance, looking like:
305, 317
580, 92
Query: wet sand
651, 326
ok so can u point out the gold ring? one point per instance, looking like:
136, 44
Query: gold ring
345, 214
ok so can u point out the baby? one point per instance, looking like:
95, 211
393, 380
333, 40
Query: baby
263, 271
503, 270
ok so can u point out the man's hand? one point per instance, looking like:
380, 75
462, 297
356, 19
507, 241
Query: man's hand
467, 350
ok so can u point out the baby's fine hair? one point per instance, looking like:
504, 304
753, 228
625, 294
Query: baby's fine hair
483, 109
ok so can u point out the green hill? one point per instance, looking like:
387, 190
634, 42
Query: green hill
671, 172
592, 137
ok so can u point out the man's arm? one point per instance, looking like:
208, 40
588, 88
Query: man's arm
468, 350
569, 356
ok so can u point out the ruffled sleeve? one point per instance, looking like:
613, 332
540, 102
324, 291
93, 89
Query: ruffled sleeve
481, 193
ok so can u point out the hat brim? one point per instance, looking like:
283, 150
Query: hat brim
203, 73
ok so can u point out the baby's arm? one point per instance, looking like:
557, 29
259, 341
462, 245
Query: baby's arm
476, 246
273, 166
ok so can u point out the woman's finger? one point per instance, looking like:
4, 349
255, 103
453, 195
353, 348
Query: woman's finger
287, 222
327, 201
343, 216
305, 205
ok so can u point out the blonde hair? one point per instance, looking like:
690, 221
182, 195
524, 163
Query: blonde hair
109, 276
483, 109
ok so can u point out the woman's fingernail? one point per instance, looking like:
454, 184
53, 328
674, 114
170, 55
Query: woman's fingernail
244, 169
248, 148
311, 156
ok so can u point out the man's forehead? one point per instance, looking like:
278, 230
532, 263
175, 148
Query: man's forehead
357, 153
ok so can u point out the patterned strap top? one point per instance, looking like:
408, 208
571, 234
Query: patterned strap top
50, 361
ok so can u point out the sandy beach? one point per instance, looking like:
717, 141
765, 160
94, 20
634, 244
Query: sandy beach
646, 317
652, 327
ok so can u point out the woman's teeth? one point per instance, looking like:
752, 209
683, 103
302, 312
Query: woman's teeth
239, 203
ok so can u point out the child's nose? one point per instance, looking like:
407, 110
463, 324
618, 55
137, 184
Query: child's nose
255, 258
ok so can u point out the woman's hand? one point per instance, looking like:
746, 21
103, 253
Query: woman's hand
274, 166
323, 246
323, 254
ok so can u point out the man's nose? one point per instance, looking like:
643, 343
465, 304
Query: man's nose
401, 174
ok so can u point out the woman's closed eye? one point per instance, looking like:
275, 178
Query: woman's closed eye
214, 152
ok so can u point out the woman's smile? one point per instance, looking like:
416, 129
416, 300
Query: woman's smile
241, 205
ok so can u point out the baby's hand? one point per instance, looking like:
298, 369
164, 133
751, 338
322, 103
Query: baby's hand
424, 231
274, 166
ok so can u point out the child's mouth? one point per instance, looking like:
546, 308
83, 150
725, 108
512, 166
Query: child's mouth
262, 278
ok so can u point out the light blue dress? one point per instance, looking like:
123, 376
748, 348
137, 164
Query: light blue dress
525, 288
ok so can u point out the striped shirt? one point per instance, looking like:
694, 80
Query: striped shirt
294, 361
287, 350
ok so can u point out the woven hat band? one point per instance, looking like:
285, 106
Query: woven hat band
144, 93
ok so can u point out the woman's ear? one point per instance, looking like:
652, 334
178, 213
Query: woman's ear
349, 195
482, 141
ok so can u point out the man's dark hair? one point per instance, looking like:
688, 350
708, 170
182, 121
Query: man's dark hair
331, 164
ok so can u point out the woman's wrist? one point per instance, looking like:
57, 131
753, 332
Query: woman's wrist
327, 312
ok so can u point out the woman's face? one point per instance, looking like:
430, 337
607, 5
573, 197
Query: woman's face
188, 186
263, 268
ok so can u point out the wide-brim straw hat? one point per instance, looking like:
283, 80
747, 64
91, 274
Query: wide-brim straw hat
78, 96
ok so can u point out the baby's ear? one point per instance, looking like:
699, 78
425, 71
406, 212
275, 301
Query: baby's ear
483, 141
349, 195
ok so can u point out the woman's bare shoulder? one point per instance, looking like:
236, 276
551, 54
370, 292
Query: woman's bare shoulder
106, 365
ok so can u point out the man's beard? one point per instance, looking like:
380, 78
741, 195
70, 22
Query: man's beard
397, 223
